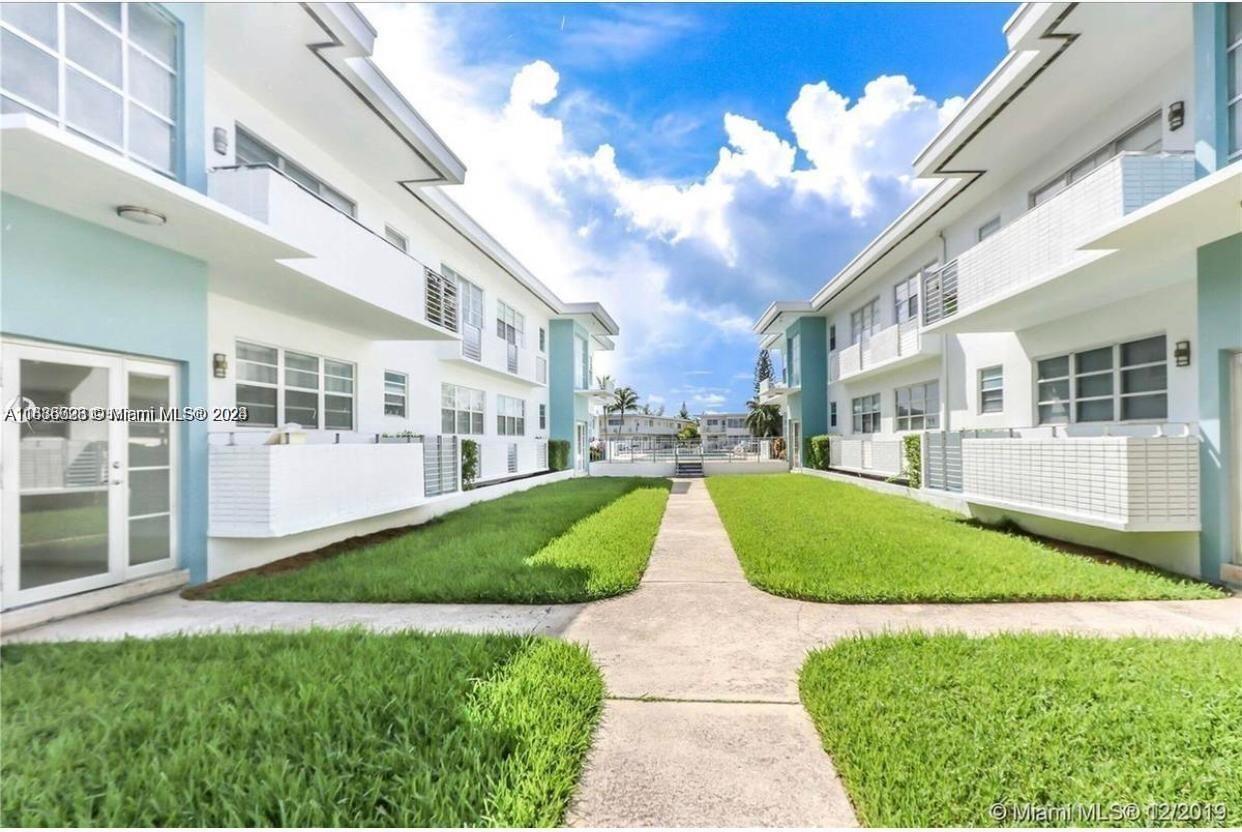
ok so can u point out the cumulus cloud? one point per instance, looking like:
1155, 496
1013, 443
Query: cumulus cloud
684, 266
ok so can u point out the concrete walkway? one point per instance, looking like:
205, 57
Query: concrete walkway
702, 725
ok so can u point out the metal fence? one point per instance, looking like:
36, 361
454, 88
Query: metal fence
440, 465
667, 449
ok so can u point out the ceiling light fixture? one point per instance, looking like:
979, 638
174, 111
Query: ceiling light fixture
142, 216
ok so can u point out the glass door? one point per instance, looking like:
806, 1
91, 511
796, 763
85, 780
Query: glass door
88, 499
580, 446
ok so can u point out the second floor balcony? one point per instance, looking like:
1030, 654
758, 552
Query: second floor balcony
354, 279
482, 349
895, 346
993, 284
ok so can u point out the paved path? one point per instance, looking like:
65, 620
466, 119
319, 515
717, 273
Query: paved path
702, 725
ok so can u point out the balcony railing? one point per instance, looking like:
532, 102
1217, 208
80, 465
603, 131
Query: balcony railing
883, 348
875, 457
668, 449
1120, 477
441, 300
1045, 241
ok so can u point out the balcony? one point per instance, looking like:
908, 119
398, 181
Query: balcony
597, 391
896, 346
353, 279
989, 285
1137, 483
772, 391
264, 491
482, 350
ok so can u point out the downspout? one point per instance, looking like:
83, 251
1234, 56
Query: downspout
944, 348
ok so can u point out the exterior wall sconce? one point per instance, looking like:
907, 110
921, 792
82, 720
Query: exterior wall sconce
219, 365
1181, 353
1177, 114
220, 140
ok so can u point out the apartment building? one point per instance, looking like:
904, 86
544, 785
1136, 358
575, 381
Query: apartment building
1059, 317
720, 429
228, 208
617, 426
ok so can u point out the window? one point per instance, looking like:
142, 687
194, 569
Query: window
864, 321
513, 458
279, 387
510, 324
395, 237
510, 416
992, 390
866, 411
582, 365
989, 228
795, 360
253, 151
107, 71
918, 406
1145, 136
1233, 95
543, 340
906, 299
832, 337
1127, 382
541, 369
461, 410
470, 300
832, 414
395, 393
543, 417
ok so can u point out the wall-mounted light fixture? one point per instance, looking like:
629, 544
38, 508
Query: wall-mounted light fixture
220, 140
1177, 114
1181, 353
142, 216
220, 365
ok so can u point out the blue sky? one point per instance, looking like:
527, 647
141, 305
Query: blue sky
686, 164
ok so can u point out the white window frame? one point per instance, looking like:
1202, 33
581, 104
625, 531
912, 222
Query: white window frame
468, 403
920, 393
281, 386
906, 298
510, 416
541, 369
1116, 372
399, 241
510, 324
401, 393
795, 360
988, 228
1233, 103
864, 321
991, 389
832, 414
1088, 163
864, 410
543, 340
543, 416
124, 90
283, 163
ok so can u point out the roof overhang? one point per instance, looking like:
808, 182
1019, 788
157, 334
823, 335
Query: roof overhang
779, 315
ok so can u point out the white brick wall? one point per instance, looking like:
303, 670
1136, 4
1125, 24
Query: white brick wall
1125, 482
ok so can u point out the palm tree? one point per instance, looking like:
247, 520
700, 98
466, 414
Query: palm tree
763, 419
624, 399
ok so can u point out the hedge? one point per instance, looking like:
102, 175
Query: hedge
912, 444
469, 463
558, 454
817, 453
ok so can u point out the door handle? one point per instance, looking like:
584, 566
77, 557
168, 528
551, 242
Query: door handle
117, 481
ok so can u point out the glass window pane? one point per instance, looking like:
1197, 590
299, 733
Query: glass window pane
1145, 379
254, 352
338, 201
463, 422
335, 384
301, 361
1097, 385
150, 139
1050, 391
148, 441
1094, 360
92, 47
148, 492
1098, 410
298, 378
1147, 351
1054, 367
446, 421
476, 423
109, 13
250, 151
153, 32
29, 72
1053, 413
338, 368
1235, 73
93, 107
35, 19
260, 404
151, 84
1145, 407
264, 373
338, 412
149, 539
302, 408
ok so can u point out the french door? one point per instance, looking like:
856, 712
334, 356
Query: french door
580, 446
88, 492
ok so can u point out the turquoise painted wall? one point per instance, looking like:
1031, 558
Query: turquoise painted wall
75, 283
562, 404
190, 158
810, 406
1220, 335
1211, 128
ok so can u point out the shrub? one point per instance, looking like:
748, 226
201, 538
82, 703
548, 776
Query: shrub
469, 463
817, 453
913, 447
558, 454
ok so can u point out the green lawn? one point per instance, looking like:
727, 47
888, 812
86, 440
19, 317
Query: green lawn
935, 730
311, 729
805, 537
570, 541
